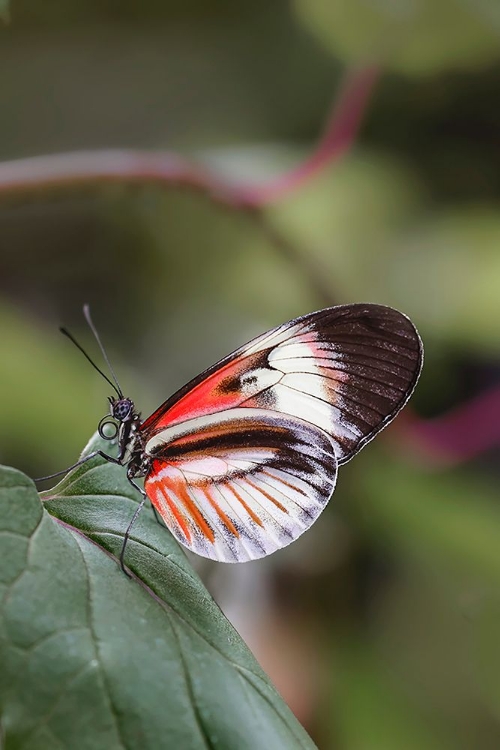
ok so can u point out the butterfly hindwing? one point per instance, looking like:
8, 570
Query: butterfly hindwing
241, 484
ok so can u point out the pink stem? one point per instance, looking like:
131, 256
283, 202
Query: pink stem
82, 168
76, 169
339, 135
459, 435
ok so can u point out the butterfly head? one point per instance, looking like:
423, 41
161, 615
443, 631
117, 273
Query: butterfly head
122, 409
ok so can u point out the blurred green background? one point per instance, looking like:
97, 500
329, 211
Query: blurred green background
380, 626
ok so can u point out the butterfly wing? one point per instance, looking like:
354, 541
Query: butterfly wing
347, 370
245, 456
242, 483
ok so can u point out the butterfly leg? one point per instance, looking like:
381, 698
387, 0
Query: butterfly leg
126, 536
111, 459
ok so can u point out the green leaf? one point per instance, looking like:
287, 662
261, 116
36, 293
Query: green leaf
414, 37
92, 659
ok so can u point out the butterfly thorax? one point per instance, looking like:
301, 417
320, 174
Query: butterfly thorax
124, 424
139, 462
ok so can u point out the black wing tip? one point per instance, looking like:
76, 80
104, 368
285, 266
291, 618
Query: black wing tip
377, 314
389, 313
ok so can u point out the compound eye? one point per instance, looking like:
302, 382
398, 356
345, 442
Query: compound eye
107, 429
122, 409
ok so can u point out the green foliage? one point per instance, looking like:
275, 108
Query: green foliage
394, 592
92, 659
343, 218
367, 689
450, 522
414, 37
454, 256
55, 394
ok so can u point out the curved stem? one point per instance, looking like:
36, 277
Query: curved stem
84, 168
339, 135
90, 168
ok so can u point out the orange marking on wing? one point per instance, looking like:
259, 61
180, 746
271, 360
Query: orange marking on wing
179, 489
250, 512
223, 517
268, 495
283, 481
175, 512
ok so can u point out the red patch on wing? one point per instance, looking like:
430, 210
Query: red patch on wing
213, 393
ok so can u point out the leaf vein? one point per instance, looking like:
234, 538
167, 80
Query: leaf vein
11, 585
57, 698
241, 671
93, 634
190, 689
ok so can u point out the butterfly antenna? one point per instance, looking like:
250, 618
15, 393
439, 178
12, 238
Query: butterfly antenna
86, 312
80, 347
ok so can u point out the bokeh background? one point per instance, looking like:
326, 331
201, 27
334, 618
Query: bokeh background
380, 626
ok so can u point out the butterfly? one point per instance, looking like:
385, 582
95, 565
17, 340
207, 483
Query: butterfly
242, 460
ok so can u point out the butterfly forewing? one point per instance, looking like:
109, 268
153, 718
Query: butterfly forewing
238, 485
231, 444
348, 370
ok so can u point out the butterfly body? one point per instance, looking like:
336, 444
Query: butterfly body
243, 459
